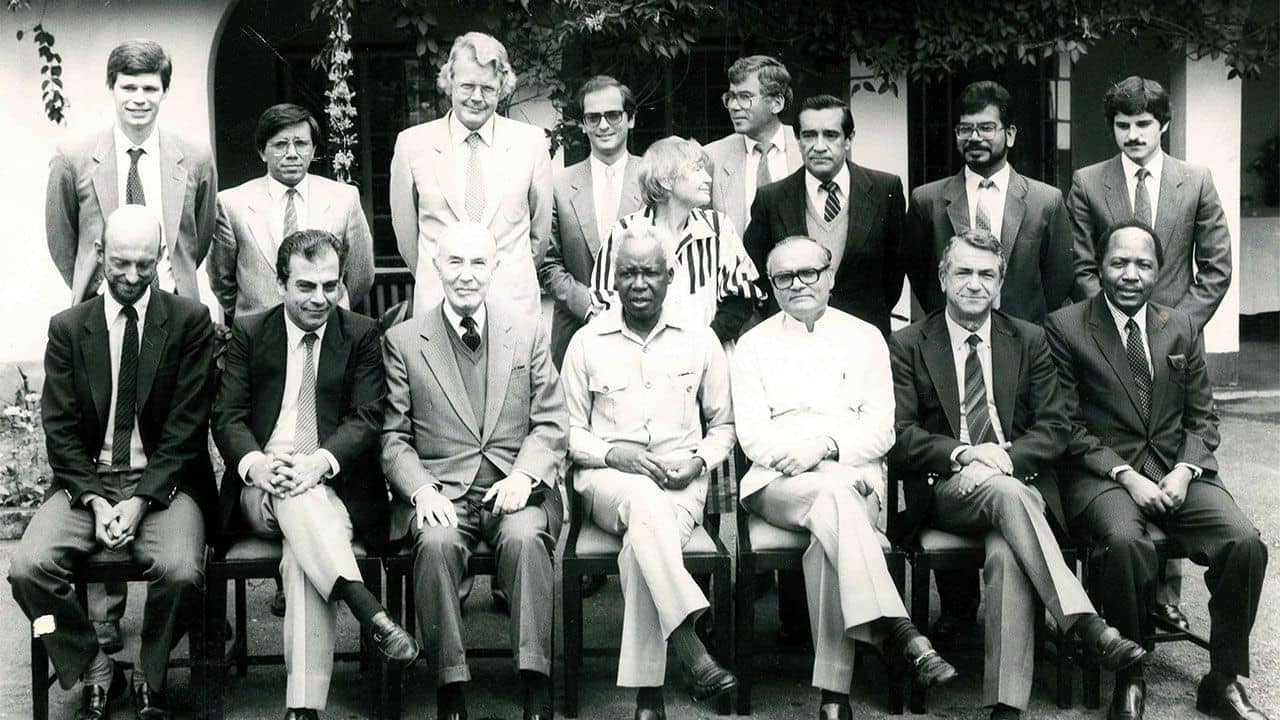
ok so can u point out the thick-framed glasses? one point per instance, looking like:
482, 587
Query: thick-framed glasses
744, 100
985, 130
301, 146
488, 92
613, 117
784, 280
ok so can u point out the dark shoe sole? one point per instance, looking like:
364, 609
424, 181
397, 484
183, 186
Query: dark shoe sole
701, 694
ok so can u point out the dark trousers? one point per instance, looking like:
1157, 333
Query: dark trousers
1213, 532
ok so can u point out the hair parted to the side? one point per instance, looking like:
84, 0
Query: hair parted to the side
980, 239
309, 244
139, 57
1137, 95
485, 51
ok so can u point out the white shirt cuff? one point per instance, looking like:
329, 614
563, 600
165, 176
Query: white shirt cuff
533, 481
334, 467
413, 499
247, 462
955, 456
1115, 471
1196, 470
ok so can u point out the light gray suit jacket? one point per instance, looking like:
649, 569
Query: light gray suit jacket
242, 261
427, 197
430, 433
84, 189
1189, 222
565, 271
728, 157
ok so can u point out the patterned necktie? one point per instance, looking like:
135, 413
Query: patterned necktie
133, 194
1141, 200
982, 213
762, 169
290, 214
833, 200
470, 337
305, 437
977, 416
475, 180
1142, 381
126, 392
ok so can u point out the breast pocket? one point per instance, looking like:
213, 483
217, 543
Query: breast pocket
607, 393
681, 399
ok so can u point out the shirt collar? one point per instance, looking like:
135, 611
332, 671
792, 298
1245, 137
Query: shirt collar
455, 318
960, 334
610, 321
277, 189
779, 141
1153, 166
151, 145
598, 167
295, 333
1120, 319
842, 181
113, 307
459, 132
790, 324
1000, 179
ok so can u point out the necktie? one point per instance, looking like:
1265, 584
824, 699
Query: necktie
982, 213
609, 206
977, 416
470, 337
475, 181
126, 392
833, 200
1142, 381
305, 437
290, 214
762, 169
1141, 200
133, 194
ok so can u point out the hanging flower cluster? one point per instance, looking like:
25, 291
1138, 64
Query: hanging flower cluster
340, 110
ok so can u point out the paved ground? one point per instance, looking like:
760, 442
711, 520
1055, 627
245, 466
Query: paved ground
1250, 459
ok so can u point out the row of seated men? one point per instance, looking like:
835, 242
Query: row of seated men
476, 167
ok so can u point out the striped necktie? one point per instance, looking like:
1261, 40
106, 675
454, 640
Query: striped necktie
832, 208
977, 416
290, 214
305, 436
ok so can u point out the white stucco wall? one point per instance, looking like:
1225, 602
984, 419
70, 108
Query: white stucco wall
84, 34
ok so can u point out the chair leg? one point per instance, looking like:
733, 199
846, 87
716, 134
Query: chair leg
723, 623
919, 616
898, 571
215, 674
242, 629
393, 680
197, 655
571, 597
1090, 672
1065, 644
39, 680
744, 641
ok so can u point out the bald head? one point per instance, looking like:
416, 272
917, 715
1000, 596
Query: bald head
133, 227
466, 256
128, 252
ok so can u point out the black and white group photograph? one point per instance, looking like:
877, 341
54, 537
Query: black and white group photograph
640, 359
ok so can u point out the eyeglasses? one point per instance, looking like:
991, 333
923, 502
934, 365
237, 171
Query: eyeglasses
592, 119
744, 99
301, 146
808, 276
486, 91
986, 130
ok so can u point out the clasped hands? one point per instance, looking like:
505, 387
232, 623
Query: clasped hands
116, 525
1157, 497
669, 473
802, 455
289, 474
980, 463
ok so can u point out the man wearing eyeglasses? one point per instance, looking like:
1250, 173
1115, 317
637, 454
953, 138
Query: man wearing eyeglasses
589, 197
813, 407
761, 149
474, 165
254, 218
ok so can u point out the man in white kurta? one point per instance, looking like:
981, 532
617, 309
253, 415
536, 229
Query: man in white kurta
813, 398
640, 381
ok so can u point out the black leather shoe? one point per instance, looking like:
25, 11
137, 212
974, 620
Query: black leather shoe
278, 605
1113, 650
150, 703
1005, 712
110, 639
651, 713
1226, 701
95, 704
301, 714
711, 681
929, 667
1129, 701
1171, 615
394, 644
835, 711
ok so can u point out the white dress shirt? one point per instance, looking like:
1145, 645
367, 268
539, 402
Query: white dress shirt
818, 196
152, 191
281, 440
279, 193
995, 196
1155, 166
115, 334
960, 352
455, 319
606, 191
777, 161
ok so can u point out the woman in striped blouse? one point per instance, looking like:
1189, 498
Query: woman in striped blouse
715, 279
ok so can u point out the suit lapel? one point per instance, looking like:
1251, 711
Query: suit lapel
1170, 200
451, 187
494, 179
1103, 329
173, 190
1117, 192
271, 361
154, 334
792, 212
734, 178
334, 351
498, 373
440, 359
631, 200
1158, 342
259, 219
95, 350
584, 207
957, 199
941, 365
1015, 208
104, 175
1006, 368
320, 201
862, 207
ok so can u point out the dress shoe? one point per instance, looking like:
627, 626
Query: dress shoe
95, 704
929, 667
301, 714
1113, 651
712, 680
396, 646
592, 584
109, 637
278, 604
1129, 701
835, 711
1005, 712
1172, 615
1225, 701
150, 703
651, 713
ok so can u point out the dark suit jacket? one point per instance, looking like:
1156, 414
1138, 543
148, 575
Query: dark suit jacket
1030, 407
350, 388
1102, 400
565, 271
1189, 222
869, 279
1035, 235
83, 190
175, 387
